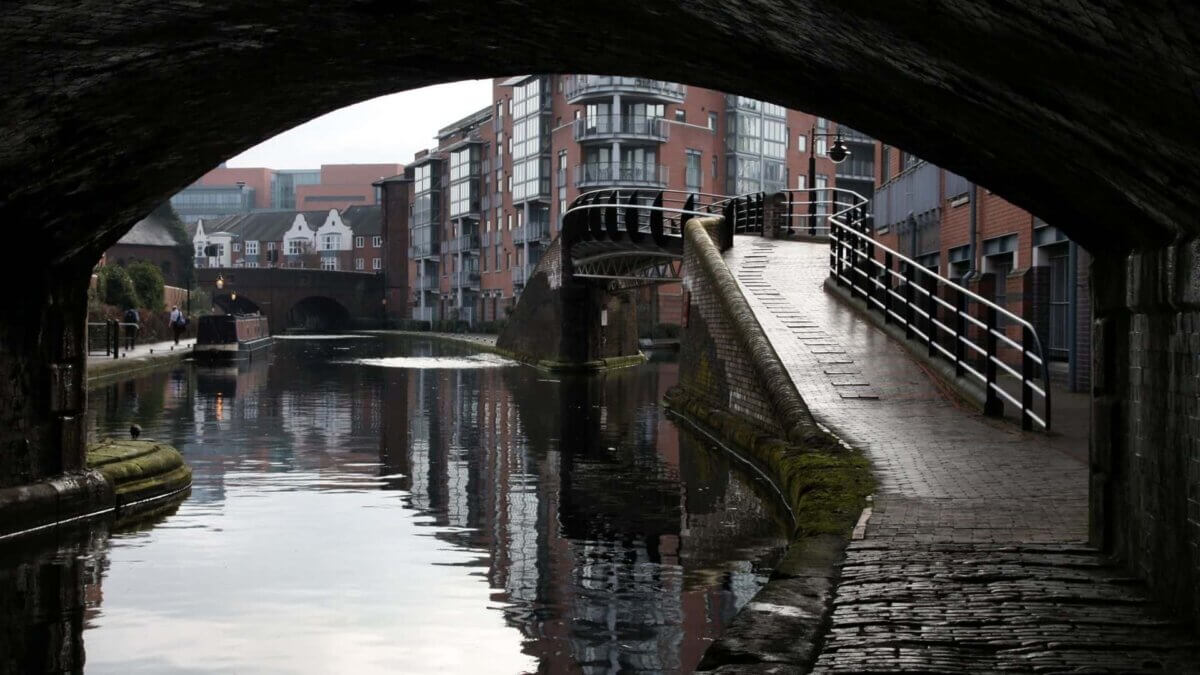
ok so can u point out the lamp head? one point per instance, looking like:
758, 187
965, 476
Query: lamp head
839, 152
220, 281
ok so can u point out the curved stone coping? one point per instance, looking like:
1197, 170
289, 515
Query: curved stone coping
790, 410
123, 477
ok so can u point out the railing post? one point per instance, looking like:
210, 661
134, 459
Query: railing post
1026, 377
833, 244
788, 194
909, 314
887, 287
931, 307
992, 405
116, 335
960, 331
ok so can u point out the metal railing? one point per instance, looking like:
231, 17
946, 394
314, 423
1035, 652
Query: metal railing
579, 86
951, 321
108, 337
614, 125
426, 283
518, 275
621, 173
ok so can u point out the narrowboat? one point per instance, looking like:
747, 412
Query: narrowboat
230, 337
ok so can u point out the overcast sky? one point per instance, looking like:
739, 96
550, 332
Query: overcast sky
386, 129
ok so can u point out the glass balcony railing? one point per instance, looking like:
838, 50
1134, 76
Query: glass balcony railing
600, 127
426, 283
468, 278
580, 87
418, 251
621, 173
533, 232
518, 276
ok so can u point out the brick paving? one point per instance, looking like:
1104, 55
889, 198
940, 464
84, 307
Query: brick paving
974, 558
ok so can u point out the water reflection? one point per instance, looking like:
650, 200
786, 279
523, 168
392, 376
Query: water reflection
350, 517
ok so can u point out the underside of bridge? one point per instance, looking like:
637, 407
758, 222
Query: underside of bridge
1081, 112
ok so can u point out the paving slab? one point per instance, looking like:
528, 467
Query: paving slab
975, 556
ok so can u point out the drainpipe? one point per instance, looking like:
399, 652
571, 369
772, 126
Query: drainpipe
972, 234
1072, 309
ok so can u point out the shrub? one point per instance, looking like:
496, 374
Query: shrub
147, 284
116, 288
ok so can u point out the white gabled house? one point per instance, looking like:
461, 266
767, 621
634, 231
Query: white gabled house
334, 240
219, 238
299, 240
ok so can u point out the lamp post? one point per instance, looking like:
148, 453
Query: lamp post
837, 154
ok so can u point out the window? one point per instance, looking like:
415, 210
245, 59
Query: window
296, 246
510, 222
680, 115
377, 241
252, 264
802, 143
712, 121
237, 247
358, 263
714, 166
694, 173
331, 242
329, 263
376, 264
200, 250
499, 149
800, 181
270, 246
252, 248
358, 242
821, 146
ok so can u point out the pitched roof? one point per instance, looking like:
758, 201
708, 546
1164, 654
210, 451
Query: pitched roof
149, 231
364, 219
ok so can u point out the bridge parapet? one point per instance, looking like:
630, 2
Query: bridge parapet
278, 291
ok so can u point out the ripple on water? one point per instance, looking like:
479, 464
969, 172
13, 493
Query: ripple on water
302, 336
436, 362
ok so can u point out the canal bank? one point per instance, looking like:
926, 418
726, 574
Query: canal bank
141, 359
124, 478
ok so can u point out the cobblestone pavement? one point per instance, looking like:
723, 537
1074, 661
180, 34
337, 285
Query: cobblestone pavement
974, 558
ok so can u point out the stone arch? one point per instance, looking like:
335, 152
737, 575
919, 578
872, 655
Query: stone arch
319, 313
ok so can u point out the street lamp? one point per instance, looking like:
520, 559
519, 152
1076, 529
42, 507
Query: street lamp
837, 154
220, 282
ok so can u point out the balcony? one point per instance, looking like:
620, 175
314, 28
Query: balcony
608, 127
425, 284
533, 233
465, 279
582, 87
622, 174
518, 276
467, 243
420, 251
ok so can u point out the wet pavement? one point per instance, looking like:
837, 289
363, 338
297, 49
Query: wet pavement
974, 557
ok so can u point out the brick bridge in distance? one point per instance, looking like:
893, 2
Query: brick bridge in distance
297, 298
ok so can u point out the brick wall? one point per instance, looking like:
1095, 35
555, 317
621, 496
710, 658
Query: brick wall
729, 365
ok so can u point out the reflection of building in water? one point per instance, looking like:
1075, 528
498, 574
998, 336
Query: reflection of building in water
574, 487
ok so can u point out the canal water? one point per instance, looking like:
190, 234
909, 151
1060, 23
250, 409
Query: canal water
384, 504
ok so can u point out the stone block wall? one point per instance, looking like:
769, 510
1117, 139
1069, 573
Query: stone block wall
1145, 442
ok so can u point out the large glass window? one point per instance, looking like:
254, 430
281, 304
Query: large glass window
695, 175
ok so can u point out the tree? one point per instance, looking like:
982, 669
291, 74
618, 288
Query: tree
116, 288
166, 213
147, 284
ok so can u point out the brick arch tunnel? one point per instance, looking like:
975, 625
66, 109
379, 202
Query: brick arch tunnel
318, 313
1082, 113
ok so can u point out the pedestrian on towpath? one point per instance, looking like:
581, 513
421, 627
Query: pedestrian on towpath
132, 321
178, 322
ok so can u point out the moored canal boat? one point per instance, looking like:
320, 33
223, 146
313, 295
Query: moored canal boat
230, 337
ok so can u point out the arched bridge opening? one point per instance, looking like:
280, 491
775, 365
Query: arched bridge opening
1082, 113
318, 313
235, 303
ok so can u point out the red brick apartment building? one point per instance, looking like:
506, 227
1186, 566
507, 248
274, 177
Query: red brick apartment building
482, 206
1022, 263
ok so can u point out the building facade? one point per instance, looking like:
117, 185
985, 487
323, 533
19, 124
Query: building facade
347, 240
226, 191
995, 248
487, 201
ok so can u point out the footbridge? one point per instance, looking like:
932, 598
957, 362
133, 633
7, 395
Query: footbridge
299, 298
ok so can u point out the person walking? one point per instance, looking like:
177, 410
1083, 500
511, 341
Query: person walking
178, 322
132, 321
